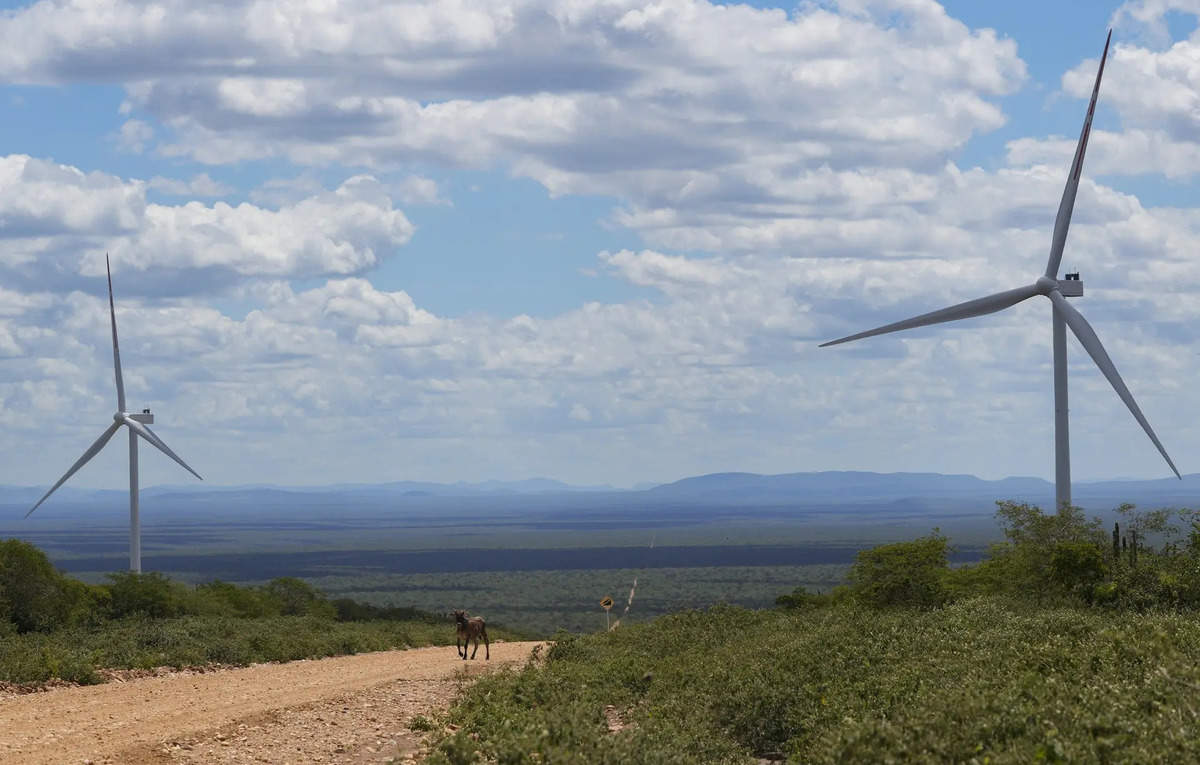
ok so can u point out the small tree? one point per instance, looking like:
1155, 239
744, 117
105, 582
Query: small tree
228, 599
801, 598
1033, 537
150, 594
35, 596
295, 597
1026, 525
903, 574
1078, 567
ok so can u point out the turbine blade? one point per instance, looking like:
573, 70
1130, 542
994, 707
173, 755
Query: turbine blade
91, 452
112, 312
1063, 221
976, 307
158, 443
1091, 343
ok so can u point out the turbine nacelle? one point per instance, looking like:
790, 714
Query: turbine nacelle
1068, 286
145, 417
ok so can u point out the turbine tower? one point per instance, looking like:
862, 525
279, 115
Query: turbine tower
138, 426
1064, 315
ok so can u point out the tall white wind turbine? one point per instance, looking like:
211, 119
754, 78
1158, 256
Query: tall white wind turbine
1057, 290
138, 426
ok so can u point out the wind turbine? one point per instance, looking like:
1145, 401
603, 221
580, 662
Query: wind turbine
138, 426
1065, 315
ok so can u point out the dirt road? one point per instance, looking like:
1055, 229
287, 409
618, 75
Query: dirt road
349, 709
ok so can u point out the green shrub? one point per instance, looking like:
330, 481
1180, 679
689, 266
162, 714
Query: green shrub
35, 596
1077, 567
802, 598
149, 594
982, 680
217, 597
992, 576
1027, 526
903, 574
295, 597
1025, 565
420, 723
144, 642
348, 610
53, 626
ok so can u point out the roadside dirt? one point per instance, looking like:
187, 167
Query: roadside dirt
348, 709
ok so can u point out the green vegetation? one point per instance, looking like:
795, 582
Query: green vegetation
53, 626
542, 602
981, 680
909, 574
77, 654
403, 556
1070, 641
1066, 644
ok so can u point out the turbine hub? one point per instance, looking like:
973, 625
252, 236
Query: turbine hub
1046, 285
119, 417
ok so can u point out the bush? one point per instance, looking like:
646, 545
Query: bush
142, 642
1026, 526
802, 598
1077, 567
295, 597
217, 597
903, 574
35, 596
150, 594
54, 626
348, 610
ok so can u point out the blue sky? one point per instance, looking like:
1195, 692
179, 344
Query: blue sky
597, 242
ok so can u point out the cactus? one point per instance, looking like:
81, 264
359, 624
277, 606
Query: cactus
1116, 542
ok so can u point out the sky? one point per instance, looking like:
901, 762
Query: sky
593, 240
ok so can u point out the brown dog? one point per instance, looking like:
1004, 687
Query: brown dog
471, 628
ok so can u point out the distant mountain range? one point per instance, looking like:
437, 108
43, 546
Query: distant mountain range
854, 487
68, 494
832, 488
851, 486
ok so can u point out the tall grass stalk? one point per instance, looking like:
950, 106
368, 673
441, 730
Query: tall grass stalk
628, 604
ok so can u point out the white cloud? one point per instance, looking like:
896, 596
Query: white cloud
341, 232
1154, 86
417, 190
59, 222
199, 186
1148, 18
720, 372
40, 199
8, 344
667, 105
134, 136
277, 192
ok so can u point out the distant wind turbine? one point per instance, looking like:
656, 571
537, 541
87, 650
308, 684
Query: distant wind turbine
138, 426
1057, 290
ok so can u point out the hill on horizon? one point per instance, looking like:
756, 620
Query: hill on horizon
829, 489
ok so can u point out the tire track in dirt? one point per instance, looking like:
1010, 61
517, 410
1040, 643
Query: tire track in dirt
347, 709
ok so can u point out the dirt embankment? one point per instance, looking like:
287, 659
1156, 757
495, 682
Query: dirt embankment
348, 709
